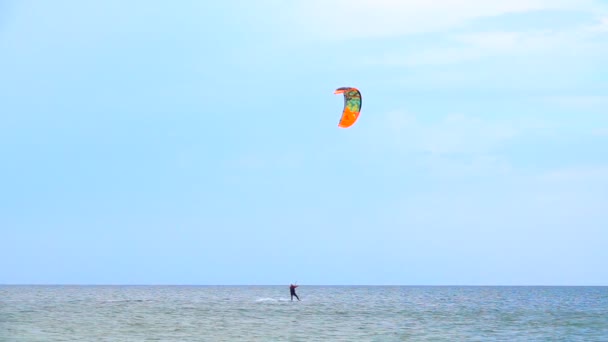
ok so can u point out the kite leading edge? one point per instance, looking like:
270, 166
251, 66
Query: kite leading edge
352, 106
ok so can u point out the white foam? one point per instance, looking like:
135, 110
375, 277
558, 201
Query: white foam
266, 300
271, 300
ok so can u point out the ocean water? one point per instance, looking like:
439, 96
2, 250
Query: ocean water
326, 313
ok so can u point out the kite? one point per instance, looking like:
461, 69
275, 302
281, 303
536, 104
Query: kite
352, 106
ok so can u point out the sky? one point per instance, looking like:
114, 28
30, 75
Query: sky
196, 142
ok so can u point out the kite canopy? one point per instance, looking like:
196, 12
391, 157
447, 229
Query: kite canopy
352, 106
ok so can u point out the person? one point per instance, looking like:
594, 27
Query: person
292, 290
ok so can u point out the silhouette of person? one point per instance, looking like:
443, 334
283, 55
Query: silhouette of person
292, 291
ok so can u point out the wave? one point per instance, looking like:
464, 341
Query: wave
271, 300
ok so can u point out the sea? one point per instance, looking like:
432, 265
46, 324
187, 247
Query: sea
325, 313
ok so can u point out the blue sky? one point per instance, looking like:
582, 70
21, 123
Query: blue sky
148, 142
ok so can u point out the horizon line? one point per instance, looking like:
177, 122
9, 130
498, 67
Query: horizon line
313, 285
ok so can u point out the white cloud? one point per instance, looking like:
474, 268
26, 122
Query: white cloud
601, 26
581, 41
455, 145
492, 43
599, 102
473, 46
601, 132
591, 174
345, 19
452, 134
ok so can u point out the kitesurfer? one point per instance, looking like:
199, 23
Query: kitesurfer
292, 290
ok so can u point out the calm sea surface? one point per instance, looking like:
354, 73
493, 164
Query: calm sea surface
326, 313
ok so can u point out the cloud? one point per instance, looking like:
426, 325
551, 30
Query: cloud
451, 134
597, 174
455, 146
599, 102
347, 19
462, 48
472, 46
538, 49
600, 132
601, 26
